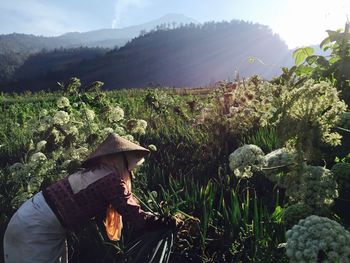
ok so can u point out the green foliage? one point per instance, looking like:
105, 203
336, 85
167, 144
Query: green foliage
223, 219
238, 108
266, 137
341, 172
301, 54
307, 115
335, 69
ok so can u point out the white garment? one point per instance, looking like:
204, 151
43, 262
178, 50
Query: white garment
34, 234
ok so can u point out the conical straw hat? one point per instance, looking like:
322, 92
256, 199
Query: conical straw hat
115, 144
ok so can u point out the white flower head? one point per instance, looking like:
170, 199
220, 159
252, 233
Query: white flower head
305, 241
107, 131
119, 130
43, 112
137, 126
79, 153
142, 124
61, 117
89, 114
63, 102
115, 114
129, 137
40, 145
152, 148
246, 159
72, 130
38, 157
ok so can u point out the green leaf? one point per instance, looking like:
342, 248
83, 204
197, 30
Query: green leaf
325, 42
304, 70
302, 53
319, 60
311, 59
322, 61
334, 60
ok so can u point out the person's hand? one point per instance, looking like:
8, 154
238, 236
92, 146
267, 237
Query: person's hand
158, 222
168, 222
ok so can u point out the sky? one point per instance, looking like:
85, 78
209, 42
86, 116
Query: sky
298, 22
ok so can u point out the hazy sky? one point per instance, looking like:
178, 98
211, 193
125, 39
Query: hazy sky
298, 22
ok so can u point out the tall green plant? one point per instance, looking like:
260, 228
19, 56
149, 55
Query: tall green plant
334, 68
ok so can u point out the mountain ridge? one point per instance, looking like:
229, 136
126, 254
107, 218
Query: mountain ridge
191, 55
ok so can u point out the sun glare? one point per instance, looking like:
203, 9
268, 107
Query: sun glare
306, 22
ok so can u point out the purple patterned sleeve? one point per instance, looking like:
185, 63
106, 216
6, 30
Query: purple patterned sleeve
122, 200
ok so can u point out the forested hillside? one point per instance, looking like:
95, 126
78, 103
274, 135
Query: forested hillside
190, 55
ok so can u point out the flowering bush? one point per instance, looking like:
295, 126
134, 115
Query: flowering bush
321, 186
314, 186
318, 237
65, 137
115, 114
244, 105
136, 126
279, 160
90, 114
307, 115
61, 117
40, 146
244, 160
63, 102
37, 157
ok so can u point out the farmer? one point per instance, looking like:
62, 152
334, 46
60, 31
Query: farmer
37, 231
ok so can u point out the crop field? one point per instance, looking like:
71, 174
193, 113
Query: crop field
256, 171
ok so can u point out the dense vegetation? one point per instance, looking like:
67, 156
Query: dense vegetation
257, 171
190, 55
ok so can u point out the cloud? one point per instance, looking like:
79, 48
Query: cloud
36, 17
121, 7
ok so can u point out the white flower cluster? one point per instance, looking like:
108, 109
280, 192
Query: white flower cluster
80, 153
119, 129
106, 131
139, 128
279, 160
129, 137
63, 102
244, 160
43, 113
45, 123
40, 146
38, 157
152, 148
321, 186
61, 117
89, 114
115, 114
71, 129
316, 235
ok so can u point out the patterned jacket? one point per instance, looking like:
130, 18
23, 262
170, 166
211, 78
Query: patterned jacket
83, 195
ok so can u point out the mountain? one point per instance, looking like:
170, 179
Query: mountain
119, 37
191, 55
15, 48
107, 38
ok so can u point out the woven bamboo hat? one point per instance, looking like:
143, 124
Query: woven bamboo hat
115, 144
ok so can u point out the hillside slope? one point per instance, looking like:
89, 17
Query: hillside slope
192, 55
